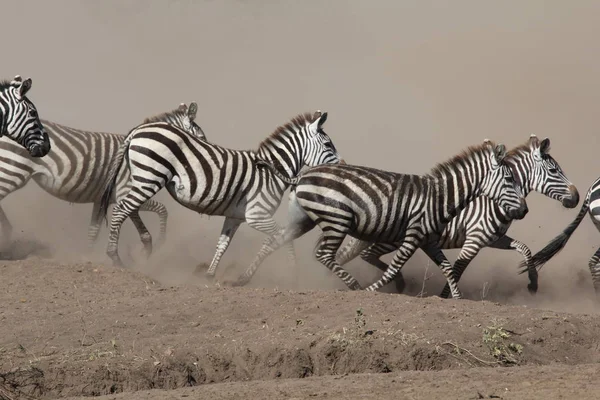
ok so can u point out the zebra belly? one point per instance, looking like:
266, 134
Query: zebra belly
205, 200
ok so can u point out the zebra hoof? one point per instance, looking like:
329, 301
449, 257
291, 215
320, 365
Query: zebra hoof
355, 286
532, 288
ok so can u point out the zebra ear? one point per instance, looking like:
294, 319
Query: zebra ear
500, 153
182, 107
534, 141
322, 119
192, 110
22, 87
545, 146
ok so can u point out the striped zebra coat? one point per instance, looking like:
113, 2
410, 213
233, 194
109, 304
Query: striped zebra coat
214, 180
19, 120
483, 222
381, 206
77, 169
591, 206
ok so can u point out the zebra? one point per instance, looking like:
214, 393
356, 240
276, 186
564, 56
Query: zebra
19, 120
591, 205
381, 206
214, 180
77, 168
483, 223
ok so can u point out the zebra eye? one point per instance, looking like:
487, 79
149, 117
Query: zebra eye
510, 179
552, 170
33, 113
329, 145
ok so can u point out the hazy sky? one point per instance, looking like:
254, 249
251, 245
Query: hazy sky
406, 83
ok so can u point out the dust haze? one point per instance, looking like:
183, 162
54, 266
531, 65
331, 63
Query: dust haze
406, 83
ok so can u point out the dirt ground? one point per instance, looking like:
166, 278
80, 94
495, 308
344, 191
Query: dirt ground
84, 329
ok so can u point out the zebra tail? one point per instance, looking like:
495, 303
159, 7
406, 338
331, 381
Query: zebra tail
275, 171
559, 242
111, 181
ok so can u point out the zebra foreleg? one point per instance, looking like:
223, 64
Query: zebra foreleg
298, 224
405, 250
230, 227
508, 243
7, 227
436, 254
468, 252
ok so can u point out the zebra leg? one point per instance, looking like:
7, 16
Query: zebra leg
372, 254
298, 224
126, 207
94, 227
594, 265
468, 252
436, 254
230, 226
508, 243
145, 235
350, 251
163, 214
405, 251
326, 254
7, 227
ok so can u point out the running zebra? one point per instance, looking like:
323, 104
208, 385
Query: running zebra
381, 206
78, 166
214, 180
19, 120
483, 223
590, 204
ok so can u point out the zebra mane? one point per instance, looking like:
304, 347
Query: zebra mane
296, 123
441, 169
163, 117
522, 148
5, 84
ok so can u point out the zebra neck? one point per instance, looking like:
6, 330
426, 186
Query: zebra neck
450, 195
288, 163
3, 123
521, 165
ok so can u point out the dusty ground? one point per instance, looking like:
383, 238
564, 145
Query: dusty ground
89, 330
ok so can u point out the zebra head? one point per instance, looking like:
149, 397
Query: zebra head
319, 148
539, 171
19, 118
500, 185
182, 117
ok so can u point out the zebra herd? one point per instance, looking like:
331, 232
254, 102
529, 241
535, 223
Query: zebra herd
466, 202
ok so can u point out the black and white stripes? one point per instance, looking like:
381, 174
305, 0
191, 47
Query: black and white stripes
214, 180
591, 205
77, 167
19, 120
381, 206
483, 223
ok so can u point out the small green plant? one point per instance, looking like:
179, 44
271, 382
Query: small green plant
496, 338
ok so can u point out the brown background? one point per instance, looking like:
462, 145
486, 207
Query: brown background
406, 83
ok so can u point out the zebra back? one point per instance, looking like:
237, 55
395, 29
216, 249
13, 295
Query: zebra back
19, 118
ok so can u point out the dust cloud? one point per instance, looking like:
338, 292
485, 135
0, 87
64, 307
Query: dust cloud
406, 84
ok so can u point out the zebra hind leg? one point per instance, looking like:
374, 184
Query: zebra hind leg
145, 235
326, 255
298, 224
230, 227
372, 256
163, 215
405, 250
94, 227
594, 265
508, 243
